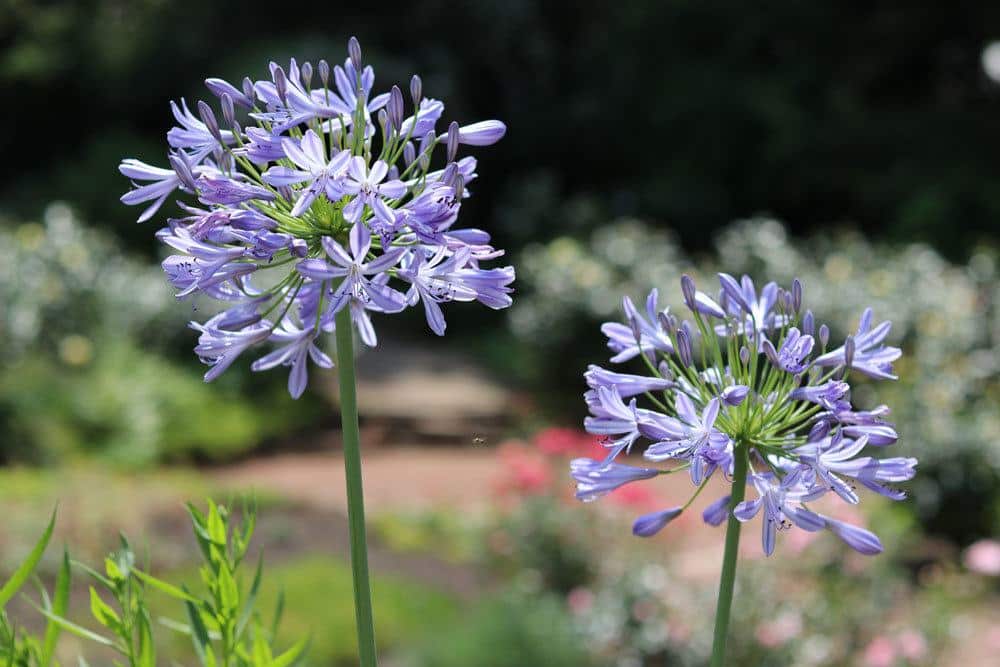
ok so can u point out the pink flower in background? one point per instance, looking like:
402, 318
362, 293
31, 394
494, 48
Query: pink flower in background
524, 471
912, 644
556, 441
580, 600
881, 652
983, 557
774, 633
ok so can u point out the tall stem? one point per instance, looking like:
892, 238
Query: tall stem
728, 576
355, 492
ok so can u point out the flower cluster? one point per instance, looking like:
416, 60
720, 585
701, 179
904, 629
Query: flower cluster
749, 387
317, 196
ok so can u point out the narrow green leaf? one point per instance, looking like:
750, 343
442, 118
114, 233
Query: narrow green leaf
147, 650
77, 630
27, 566
279, 609
164, 587
216, 525
251, 600
60, 604
103, 613
229, 593
292, 655
98, 577
199, 636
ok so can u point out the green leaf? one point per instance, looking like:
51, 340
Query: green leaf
164, 587
229, 593
199, 635
60, 604
103, 613
279, 609
77, 630
292, 655
147, 650
216, 525
248, 605
27, 566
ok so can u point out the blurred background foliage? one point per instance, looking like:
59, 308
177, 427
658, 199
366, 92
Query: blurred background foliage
853, 147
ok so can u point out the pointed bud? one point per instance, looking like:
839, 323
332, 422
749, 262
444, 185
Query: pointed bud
416, 90
409, 153
824, 335
483, 133
684, 346
395, 107
665, 371
688, 289
449, 174
307, 74
178, 161
248, 90
796, 295
280, 84
650, 524
459, 187
717, 512
452, 144
665, 323
735, 395
849, 351
808, 323
744, 355
323, 69
219, 87
819, 430
208, 118
354, 51
383, 122
228, 110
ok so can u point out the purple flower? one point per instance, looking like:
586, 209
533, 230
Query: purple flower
161, 183
735, 394
870, 357
219, 345
228, 191
717, 512
697, 440
296, 344
622, 338
597, 478
194, 135
627, 385
794, 352
650, 524
611, 417
755, 315
782, 503
483, 133
368, 188
322, 176
859, 539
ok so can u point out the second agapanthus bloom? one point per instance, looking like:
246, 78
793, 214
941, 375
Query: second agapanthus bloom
745, 388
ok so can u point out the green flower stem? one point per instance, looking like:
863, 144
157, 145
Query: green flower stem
728, 576
355, 493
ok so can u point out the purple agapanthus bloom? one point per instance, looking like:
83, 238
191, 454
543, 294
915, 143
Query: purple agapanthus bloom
345, 210
744, 388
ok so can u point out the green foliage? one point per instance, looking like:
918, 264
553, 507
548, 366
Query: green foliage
91, 330
510, 631
19, 648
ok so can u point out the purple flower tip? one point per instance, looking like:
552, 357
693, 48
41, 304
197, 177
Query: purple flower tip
650, 524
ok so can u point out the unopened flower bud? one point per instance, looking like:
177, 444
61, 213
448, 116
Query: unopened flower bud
449, 174
824, 335
228, 110
248, 90
735, 395
688, 289
459, 187
395, 108
849, 352
744, 355
416, 90
307, 74
808, 323
208, 118
796, 294
684, 347
178, 162
323, 69
665, 371
452, 144
383, 122
280, 84
409, 153
354, 51
219, 87
666, 323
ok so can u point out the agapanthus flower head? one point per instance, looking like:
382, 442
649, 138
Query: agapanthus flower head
317, 196
744, 380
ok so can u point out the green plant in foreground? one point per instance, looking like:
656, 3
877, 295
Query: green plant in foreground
222, 620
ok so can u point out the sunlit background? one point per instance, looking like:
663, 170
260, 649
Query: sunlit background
856, 150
